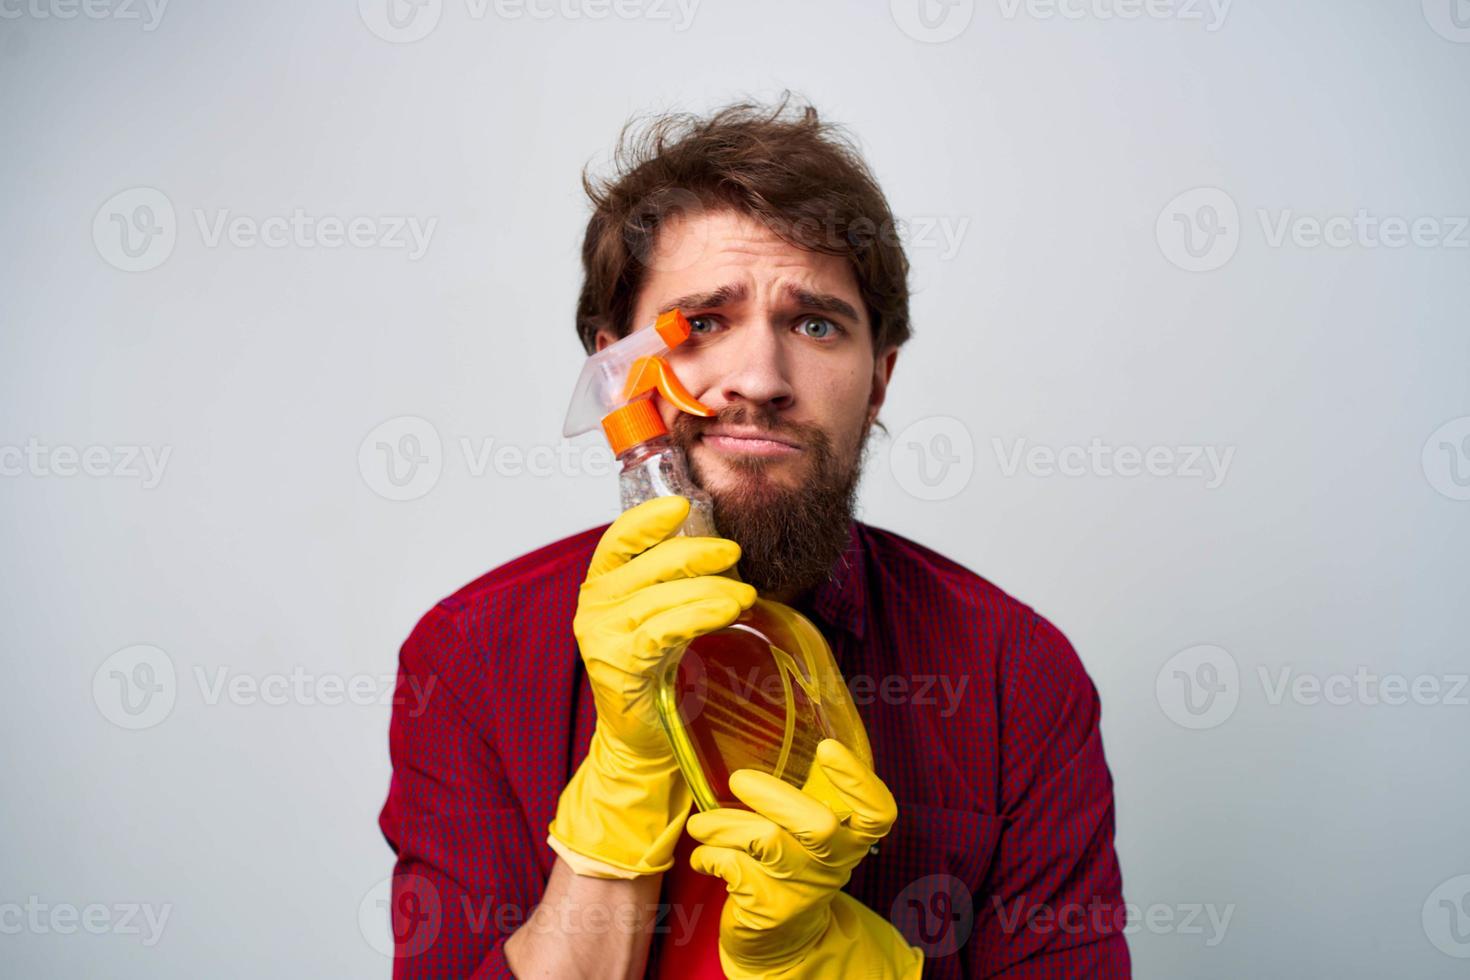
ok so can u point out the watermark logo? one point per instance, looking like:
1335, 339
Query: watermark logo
1211, 13
933, 458
1201, 687
932, 21
1446, 459
1208, 464
402, 458
1446, 917
135, 230
301, 229
407, 21
139, 686
409, 907
1449, 18
148, 12
935, 913
1199, 231
1198, 687
41, 918
136, 687
1107, 918
401, 21
1363, 229
145, 464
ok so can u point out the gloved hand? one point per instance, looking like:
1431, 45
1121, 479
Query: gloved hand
784, 866
647, 592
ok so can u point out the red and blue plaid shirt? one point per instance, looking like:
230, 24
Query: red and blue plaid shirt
983, 723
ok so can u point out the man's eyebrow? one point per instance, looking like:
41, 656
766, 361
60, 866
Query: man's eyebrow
737, 292
723, 296
822, 302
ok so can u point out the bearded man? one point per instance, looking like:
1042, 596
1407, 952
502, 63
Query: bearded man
542, 829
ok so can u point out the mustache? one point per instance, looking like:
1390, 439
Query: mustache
691, 427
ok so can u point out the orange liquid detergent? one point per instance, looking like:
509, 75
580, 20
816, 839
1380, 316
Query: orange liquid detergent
759, 694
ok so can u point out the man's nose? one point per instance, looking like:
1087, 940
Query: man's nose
756, 369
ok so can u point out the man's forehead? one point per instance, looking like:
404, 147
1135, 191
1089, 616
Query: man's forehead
715, 258
811, 297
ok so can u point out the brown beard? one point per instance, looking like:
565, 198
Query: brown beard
790, 537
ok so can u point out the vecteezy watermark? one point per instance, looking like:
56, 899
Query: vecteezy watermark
933, 458
406, 21
1105, 918
1446, 917
1363, 229
137, 229
756, 685
676, 920
1200, 230
404, 457
300, 229
299, 686
1209, 464
40, 918
932, 21
941, 233
1450, 19
1363, 686
145, 464
1200, 687
137, 688
148, 12
1210, 13
1446, 459
401, 916
936, 913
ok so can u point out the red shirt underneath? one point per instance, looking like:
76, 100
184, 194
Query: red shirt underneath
692, 898
982, 720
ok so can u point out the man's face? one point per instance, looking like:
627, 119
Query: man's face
781, 349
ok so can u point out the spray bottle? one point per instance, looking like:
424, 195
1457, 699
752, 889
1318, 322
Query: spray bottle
761, 693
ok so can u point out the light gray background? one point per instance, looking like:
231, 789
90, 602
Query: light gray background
1332, 835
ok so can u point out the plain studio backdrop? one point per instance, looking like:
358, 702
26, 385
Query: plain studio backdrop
286, 340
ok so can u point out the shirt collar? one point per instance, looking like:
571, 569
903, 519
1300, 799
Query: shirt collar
841, 602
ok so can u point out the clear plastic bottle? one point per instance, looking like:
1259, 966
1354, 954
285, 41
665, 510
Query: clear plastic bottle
759, 694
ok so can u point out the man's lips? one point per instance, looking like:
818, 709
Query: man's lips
756, 442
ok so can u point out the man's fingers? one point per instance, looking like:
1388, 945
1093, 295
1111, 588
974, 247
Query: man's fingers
801, 815
751, 833
719, 862
675, 627
667, 561
873, 807
648, 602
636, 530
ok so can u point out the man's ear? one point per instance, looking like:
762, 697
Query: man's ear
882, 372
604, 337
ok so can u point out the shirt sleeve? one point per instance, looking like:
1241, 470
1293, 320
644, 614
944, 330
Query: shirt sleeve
1053, 905
466, 874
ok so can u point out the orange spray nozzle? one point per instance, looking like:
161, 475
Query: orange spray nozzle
617, 384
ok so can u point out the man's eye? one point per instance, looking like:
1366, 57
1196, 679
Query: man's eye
701, 324
819, 328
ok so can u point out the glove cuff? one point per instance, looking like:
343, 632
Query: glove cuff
857, 942
621, 813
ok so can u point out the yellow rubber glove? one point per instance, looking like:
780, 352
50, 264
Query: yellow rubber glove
784, 867
648, 592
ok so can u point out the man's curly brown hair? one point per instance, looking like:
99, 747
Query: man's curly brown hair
781, 164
